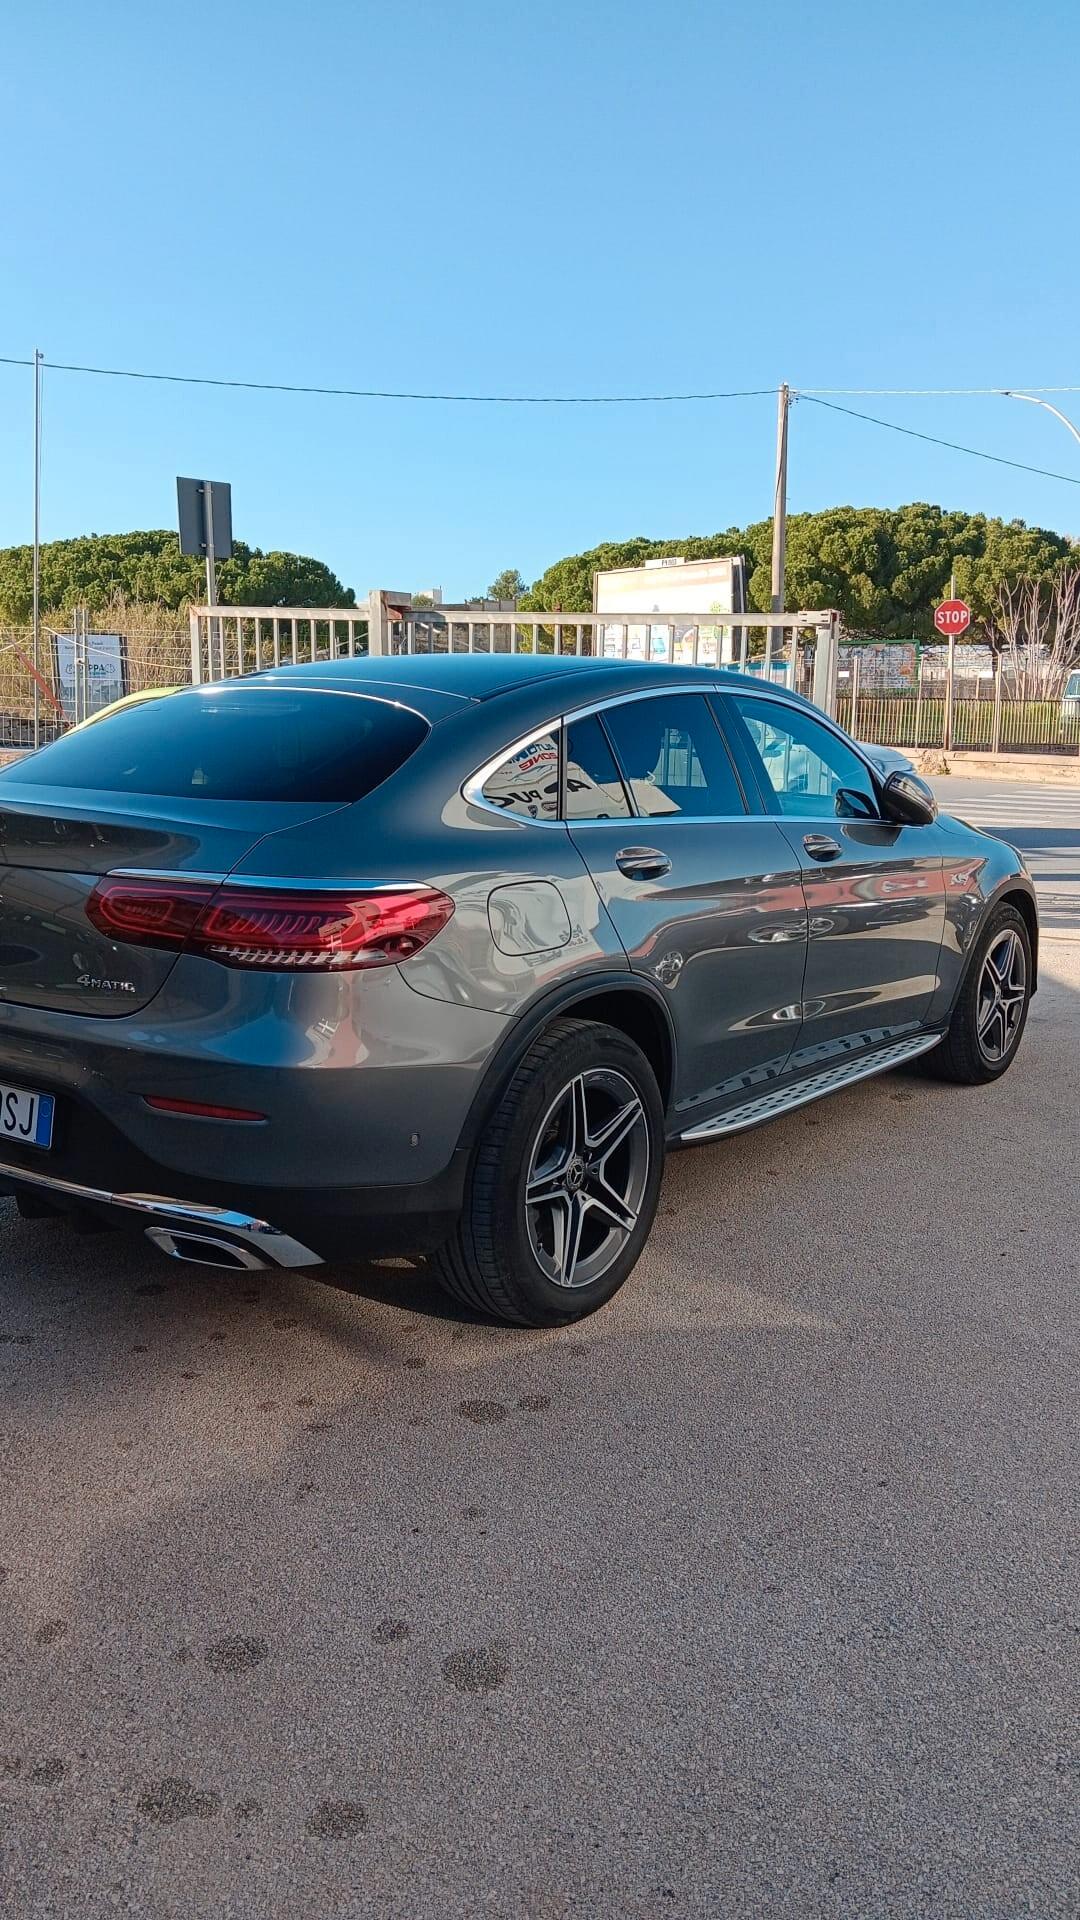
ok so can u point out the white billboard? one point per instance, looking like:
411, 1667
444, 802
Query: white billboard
696, 588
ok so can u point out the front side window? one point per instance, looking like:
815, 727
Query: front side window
673, 758
527, 783
594, 790
808, 771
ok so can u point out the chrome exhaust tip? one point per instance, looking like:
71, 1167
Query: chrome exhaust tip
205, 1250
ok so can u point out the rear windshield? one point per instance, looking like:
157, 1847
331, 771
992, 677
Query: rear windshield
234, 743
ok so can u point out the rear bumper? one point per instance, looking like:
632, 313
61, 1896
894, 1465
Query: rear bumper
291, 1227
170, 1222
360, 1082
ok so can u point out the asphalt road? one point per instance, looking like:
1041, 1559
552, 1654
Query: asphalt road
1043, 821
755, 1595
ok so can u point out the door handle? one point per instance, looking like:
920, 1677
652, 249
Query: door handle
821, 846
643, 863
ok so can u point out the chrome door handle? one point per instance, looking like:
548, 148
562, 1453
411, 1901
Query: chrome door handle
643, 863
821, 846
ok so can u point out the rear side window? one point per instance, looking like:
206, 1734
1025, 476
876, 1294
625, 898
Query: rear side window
527, 782
673, 758
235, 743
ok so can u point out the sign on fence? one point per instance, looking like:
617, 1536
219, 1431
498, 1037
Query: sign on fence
91, 671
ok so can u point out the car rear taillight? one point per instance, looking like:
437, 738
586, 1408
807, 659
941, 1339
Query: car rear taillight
148, 913
278, 929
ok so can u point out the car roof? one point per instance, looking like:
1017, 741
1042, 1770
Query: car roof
487, 676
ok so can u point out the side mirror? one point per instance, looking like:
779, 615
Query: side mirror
908, 801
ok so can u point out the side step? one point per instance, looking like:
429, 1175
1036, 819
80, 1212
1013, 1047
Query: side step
767, 1106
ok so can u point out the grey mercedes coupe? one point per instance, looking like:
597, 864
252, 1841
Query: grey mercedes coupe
441, 954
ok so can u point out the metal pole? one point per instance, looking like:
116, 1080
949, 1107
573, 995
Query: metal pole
946, 743
38, 357
217, 665
918, 696
86, 660
779, 537
995, 746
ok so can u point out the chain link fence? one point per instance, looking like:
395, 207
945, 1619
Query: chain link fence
81, 668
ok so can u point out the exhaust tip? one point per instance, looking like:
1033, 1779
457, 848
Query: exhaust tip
204, 1250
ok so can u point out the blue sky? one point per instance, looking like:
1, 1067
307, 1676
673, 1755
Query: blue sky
596, 197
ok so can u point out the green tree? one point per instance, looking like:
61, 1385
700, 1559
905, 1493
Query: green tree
884, 568
98, 569
507, 585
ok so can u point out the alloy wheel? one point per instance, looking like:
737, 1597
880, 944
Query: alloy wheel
1002, 996
587, 1177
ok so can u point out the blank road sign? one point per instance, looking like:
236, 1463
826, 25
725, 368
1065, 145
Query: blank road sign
191, 501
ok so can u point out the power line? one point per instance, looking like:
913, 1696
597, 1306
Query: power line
527, 399
933, 393
953, 445
816, 395
380, 393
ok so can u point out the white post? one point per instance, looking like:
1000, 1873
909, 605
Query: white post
378, 625
825, 666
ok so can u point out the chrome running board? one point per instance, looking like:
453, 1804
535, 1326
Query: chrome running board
766, 1106
186, 1217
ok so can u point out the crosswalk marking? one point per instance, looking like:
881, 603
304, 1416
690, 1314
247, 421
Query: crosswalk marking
1029, 807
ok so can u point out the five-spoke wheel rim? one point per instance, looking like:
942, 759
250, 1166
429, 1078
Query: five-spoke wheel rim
587, 1176
1002, 996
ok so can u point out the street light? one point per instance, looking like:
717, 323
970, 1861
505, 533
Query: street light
1036, 402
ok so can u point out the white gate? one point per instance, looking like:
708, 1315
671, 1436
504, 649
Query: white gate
234, 640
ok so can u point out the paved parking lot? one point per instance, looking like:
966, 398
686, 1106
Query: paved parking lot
754, 1595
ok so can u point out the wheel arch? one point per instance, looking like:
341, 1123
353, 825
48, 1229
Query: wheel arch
619, 1001
1024, 904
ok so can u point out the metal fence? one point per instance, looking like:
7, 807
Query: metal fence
82, 669
129, 650
977, 723
230, 640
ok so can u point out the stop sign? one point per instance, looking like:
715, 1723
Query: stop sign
953, 616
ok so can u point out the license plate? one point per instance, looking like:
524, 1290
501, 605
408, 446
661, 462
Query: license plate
26, 1117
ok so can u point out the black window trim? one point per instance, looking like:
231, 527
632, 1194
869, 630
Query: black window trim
597, 819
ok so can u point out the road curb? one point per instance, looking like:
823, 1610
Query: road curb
1032, 769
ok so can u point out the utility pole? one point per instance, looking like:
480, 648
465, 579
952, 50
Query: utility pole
38, 357
779, 536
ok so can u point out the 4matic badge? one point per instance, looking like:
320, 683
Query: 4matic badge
93, 985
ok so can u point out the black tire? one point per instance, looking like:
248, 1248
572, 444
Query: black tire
492, 1262
962, 1056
